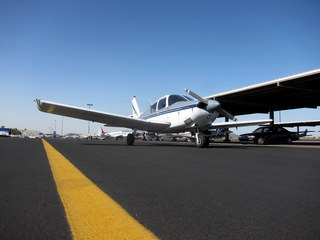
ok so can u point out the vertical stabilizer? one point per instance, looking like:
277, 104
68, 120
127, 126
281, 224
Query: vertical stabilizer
135, 108
101, 133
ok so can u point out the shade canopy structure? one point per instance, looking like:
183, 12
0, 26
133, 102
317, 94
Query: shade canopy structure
297, 91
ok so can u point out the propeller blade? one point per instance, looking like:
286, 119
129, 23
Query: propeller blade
196, 96
227, 114
213, 106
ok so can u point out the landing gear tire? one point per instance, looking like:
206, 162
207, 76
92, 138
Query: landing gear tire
202, 141
130, 139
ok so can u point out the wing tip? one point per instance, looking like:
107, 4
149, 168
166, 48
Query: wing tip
39, 104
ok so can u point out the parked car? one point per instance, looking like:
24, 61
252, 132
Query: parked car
263, 135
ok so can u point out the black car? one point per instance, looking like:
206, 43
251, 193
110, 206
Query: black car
263, 135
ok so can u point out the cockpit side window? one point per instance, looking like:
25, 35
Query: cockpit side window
153, 107
161, 103
176, 98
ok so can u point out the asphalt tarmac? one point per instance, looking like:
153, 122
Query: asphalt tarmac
177, 191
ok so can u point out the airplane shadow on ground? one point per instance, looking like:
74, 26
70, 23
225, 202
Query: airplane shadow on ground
217, 145
165, 144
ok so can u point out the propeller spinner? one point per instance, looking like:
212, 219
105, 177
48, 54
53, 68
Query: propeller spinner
211, 105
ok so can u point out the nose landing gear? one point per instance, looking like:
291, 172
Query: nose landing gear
202, 141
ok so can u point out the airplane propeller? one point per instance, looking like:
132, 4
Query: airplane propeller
196, 96
211, 105
227, 114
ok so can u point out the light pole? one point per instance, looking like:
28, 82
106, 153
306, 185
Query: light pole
89, 105
55, 129
62, 126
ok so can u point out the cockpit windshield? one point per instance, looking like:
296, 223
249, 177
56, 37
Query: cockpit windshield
177, 98
170, 99
190, 99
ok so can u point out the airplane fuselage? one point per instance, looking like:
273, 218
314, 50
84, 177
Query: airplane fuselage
181, 112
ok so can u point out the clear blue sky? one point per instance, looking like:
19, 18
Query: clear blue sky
104, 52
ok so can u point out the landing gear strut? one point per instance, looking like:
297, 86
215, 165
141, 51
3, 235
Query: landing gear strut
202, 141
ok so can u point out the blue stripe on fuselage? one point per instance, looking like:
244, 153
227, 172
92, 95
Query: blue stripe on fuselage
165, 111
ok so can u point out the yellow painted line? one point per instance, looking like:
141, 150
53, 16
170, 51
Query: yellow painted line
91, 213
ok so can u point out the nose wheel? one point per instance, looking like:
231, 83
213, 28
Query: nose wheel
202, 141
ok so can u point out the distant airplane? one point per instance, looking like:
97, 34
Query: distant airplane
114, 135
298, 124
305, 133
170, 114
190, 136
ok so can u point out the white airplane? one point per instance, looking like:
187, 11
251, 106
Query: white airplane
190, 136
114, 135
170, 114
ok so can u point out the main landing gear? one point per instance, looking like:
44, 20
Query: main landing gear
130, 139
202, 141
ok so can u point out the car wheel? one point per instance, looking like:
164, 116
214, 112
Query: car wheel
261, 141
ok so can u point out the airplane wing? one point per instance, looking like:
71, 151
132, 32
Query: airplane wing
109, 119
309, 123
239, 123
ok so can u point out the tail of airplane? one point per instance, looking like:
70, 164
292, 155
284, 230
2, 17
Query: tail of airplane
135, 108
305, 133
102, 132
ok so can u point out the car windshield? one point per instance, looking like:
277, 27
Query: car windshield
282, 130
258, 130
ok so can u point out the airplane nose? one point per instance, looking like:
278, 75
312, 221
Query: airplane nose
213, 105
